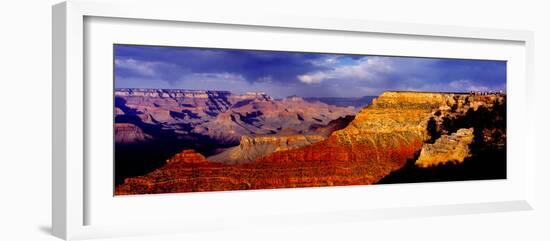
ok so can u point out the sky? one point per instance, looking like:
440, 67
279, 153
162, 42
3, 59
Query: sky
282, 74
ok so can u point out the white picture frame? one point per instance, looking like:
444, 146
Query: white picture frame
73, 192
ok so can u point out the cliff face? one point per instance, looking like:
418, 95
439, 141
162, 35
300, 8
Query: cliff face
467, 141
182, 173
187, 157
266, 117
252, 147
452, 148
379, 141
130, 133
221, 115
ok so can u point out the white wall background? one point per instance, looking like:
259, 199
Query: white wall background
25, 120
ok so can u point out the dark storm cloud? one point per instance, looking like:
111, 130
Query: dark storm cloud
305, 74
253, 65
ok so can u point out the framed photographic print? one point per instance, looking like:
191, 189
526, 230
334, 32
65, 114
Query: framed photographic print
203, 122
191, 119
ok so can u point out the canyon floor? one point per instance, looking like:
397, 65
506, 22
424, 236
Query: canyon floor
169, 141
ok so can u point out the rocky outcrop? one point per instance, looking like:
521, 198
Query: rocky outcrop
129, 133
445, 160
452, 148
181, 173
254, 147
187, 156
379, 141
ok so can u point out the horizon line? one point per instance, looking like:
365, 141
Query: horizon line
264, 92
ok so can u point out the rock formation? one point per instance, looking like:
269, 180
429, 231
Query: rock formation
221, 115
379, 141
130, 133
153, 124
188, 157
452, 148
252, 147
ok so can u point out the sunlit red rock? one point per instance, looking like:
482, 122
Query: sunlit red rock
187, 156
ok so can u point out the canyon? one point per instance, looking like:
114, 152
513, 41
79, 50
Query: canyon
253, 147
221, 115
151, 125
399, 137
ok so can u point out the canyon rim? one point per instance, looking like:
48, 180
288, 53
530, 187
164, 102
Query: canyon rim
197, 119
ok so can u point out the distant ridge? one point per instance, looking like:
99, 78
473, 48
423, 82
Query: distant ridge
167, 90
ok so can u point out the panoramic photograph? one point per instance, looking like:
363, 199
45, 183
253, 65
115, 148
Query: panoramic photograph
190, 119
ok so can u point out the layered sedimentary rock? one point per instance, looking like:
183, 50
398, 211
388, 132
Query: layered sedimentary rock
252, 147
452, 148
379, 140
444, 160
172, 107
180, 174
221, 115
154, 124
265, 117
187, 157
130, 133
